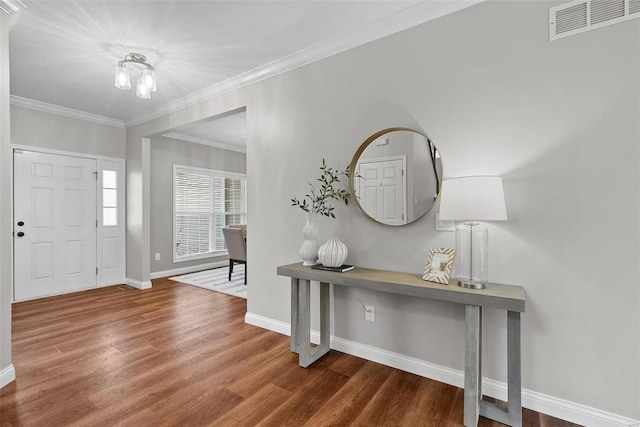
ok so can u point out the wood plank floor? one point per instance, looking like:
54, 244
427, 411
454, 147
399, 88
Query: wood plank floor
179, 355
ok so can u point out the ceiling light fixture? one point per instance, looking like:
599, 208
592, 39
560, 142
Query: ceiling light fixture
146, 80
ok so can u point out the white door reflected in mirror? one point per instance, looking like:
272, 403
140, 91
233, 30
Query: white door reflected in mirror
397, 176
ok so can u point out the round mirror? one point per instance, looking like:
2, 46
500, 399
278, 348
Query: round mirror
396, 176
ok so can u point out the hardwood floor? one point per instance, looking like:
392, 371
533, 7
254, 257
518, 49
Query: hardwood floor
182, 356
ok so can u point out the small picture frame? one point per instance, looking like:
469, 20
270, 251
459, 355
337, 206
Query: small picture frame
439, 265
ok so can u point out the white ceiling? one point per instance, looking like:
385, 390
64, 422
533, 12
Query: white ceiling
63, 53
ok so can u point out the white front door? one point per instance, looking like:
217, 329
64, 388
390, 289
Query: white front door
381, 190
54, 224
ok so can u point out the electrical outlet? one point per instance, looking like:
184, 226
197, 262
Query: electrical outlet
157, 256
369, 313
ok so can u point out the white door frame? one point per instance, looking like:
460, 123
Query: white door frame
121, 201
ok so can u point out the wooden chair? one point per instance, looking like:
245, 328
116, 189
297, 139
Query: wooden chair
237, 248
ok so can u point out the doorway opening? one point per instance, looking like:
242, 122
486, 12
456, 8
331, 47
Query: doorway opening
198, 180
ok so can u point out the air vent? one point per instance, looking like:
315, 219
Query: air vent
606, 10
571, 18
585, 15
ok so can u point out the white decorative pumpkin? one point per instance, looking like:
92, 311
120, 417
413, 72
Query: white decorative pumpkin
333, 253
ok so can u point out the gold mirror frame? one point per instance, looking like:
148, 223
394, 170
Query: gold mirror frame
433, 153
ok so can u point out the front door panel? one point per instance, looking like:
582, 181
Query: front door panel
54, 224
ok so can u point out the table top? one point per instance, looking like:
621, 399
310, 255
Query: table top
494, 295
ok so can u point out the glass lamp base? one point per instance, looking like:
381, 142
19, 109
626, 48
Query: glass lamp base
471, 285
471, 262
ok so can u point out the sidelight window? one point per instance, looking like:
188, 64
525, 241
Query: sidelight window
109, 198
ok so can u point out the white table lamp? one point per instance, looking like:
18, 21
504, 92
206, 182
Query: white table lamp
472, 199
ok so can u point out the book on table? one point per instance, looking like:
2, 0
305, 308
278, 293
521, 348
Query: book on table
343, 268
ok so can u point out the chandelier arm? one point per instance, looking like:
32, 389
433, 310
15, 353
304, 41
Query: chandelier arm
146, 64
136, 58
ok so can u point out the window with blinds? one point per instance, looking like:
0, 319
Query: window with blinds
205, 202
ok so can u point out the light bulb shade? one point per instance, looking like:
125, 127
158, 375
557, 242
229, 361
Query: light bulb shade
142, 90
149, 77
122, 79
473, 198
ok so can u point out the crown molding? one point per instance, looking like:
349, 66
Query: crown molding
208, 142
11, 7
64, 111
407, 18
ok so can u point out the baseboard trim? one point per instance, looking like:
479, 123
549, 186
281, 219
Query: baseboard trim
187, 270
556, 407
138, 284
574, 412
268, 323
7, 375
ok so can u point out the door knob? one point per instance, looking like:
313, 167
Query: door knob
20, 223
20, 234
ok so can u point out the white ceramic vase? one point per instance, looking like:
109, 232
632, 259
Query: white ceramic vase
309, 249
333, 253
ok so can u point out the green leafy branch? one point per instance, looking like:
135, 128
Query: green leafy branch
317, 199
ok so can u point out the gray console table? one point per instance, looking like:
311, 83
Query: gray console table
506, 297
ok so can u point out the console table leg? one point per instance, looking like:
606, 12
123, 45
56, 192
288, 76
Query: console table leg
295, 343
304, 322
514, 373
512, 414
309, 354
472, 365
325, 317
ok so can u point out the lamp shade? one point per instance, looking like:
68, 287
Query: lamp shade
473, 198
122, 79
149, 77
142, 90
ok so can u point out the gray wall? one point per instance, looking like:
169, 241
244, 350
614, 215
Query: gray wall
52, 131
557, 120
5, 196
165, 152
